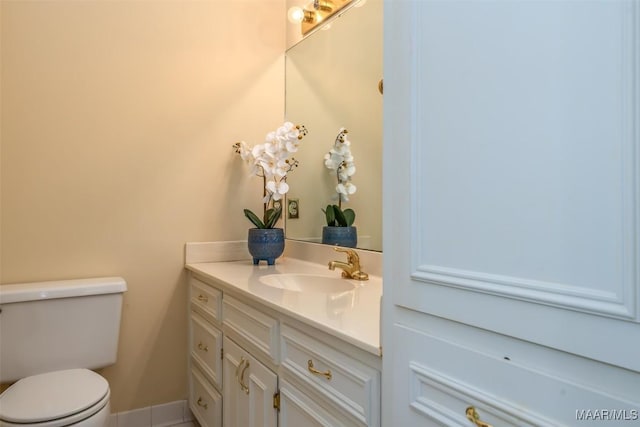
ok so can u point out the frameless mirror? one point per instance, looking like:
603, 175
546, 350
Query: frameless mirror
332, 82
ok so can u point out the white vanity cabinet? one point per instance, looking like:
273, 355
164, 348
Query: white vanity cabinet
253, 365
205, 349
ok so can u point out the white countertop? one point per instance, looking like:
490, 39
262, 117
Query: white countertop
353, 316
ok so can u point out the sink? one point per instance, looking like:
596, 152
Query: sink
308, 283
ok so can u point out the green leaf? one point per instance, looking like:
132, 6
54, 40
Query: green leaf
331, 217
254, 218
350, 216
271, 217
342, 221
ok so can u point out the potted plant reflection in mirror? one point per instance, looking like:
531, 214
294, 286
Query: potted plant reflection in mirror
340, 230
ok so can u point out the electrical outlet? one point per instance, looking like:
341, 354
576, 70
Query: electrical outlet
293, 208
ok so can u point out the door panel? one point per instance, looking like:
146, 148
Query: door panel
520, 126
511, 210
249, 387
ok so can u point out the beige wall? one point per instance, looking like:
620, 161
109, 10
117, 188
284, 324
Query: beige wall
117, 124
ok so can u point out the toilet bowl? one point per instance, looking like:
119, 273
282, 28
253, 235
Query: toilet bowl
56, 399
53, 333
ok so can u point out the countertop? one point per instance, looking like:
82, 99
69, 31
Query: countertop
353, 315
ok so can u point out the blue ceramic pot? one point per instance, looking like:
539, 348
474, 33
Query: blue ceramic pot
266, 244
340, 236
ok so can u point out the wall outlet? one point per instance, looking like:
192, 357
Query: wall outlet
293, 208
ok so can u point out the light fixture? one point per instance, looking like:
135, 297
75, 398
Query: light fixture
323, 5
297, 14
315, 12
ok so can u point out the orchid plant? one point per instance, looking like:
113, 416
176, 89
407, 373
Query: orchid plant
340, 160
272, 161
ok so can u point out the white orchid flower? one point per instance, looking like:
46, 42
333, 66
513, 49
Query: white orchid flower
244, 151
272, 159
288, 131
346, 188
277, 189
340, 159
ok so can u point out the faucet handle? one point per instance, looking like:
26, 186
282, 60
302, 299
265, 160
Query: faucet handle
352, 256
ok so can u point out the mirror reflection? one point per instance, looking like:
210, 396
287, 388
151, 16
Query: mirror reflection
332, 79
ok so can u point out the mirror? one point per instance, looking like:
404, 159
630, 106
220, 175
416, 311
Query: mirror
332, 79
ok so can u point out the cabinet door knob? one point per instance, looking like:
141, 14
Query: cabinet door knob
200, 402
203, 347
314, 371
472, 415
203, 298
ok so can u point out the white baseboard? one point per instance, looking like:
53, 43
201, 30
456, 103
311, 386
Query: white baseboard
164, 415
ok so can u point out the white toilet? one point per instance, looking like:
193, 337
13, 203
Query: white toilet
51, 334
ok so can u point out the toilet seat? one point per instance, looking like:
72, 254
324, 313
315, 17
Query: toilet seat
54, 399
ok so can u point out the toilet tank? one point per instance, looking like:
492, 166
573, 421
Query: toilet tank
47, 326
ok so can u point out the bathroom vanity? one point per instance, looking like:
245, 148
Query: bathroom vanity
292, 344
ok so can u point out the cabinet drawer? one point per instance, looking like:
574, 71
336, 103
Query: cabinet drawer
298, 408
204, 401
347, 382
206, 348
254, 326
206, 299
520, 386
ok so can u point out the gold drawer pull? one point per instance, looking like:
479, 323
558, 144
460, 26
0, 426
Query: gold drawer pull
241, 380
203, 298
238, 367
326, 374
201, 403
203, 347
472, 415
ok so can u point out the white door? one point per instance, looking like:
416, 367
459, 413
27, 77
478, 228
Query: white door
248, 389
511, 212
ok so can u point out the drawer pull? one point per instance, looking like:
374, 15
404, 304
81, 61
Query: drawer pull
203, 347
472, 415
326, 374
203, 298
200, 402
238, 367
241, 380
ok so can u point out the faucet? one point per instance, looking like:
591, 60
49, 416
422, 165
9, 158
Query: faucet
351, 268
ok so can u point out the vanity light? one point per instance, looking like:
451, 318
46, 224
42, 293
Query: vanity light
323, 5
315, 12
297, 14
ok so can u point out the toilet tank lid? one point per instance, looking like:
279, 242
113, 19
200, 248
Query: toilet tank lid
34, 291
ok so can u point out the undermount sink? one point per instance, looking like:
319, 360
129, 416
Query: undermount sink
308, 283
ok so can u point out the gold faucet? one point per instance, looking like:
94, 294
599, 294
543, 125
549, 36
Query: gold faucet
351, 268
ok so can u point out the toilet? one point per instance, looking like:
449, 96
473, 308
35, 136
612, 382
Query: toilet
52, 334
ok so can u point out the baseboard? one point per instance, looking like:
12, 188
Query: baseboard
164, 415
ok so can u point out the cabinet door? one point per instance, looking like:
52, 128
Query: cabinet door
249, 388
512, 205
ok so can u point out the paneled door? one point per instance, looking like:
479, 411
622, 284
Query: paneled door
511, 212
248, 387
